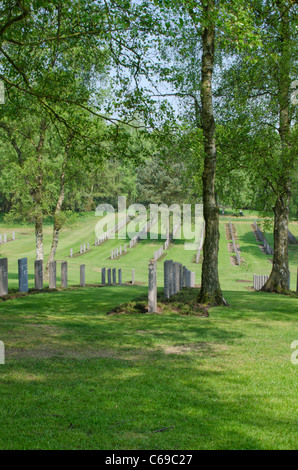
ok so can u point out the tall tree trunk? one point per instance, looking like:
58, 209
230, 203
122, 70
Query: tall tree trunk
210, 291
57, 222
57, 226
279, 278
39, 235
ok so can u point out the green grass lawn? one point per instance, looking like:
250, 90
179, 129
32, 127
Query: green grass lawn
77, 378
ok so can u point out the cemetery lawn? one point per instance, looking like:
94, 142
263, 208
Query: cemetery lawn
77, 378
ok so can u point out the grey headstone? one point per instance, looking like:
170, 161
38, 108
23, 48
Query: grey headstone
188, 278
38, 271
23, 274
180, 276
53, 275
82, 275
81, 249
120, 276
133, 276
192, 279
109, 276
184, 277
84, 247
13, 235
114, 276
152, 287
176, 277
0, 239
171, 277
112, 254
3, 276
71, 252
167, 279
5, 238
64, 274
124, 247
103, 275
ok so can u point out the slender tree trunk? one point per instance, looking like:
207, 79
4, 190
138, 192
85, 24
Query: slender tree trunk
39, 236
57, 226
210, 291
57, 221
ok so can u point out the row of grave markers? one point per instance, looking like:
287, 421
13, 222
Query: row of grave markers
108, 276
142, 232
107, 235
176, 276
264, 242
4, 239
111, 275
38, 275
118, 251
259, 280
235, 249
83, 249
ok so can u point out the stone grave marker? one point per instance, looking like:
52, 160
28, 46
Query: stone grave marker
38, 273
23, 274
3, 276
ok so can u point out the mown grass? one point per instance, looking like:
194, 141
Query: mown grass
77, 378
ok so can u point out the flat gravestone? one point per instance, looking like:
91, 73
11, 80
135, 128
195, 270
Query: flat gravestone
82, 275
23, 274
52, 275
3, 276
64, 274
38, 272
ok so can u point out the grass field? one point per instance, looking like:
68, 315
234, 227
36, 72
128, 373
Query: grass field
77, 378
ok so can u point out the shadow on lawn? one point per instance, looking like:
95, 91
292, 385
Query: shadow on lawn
206, 397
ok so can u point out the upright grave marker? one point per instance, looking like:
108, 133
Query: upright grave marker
82, 275
53, 275
103, 275
152, 287
64, 274
167, 279
120, 276
23, 274
38, 272
3, 276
